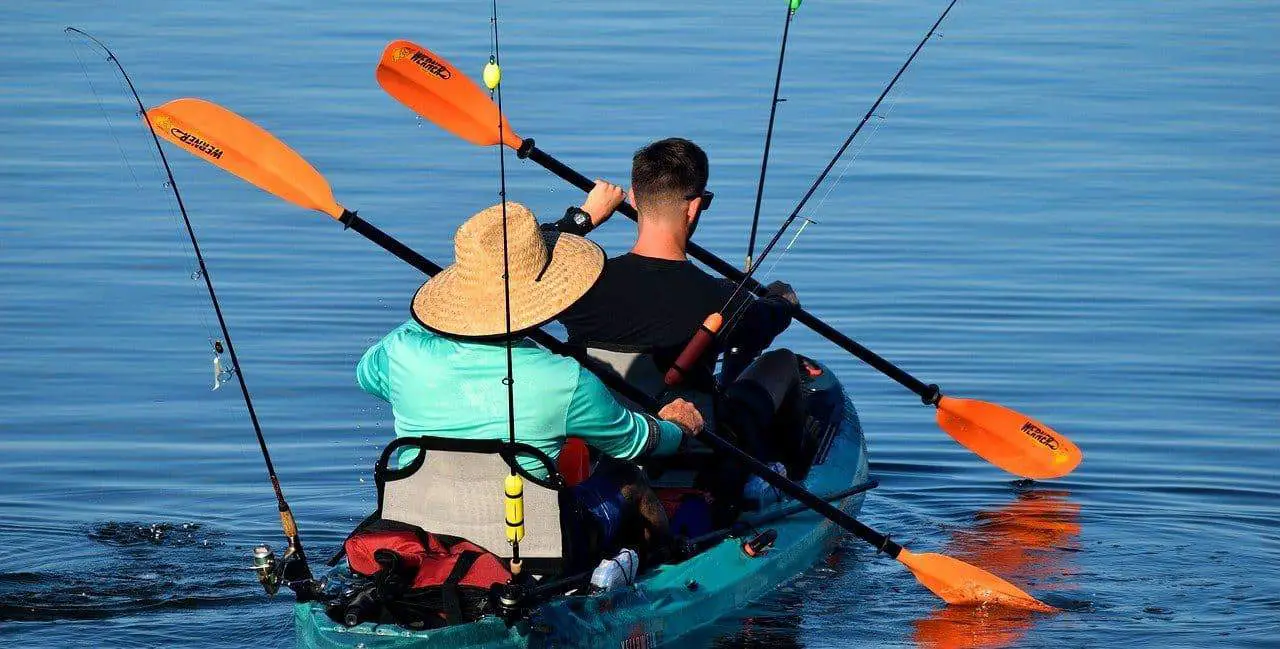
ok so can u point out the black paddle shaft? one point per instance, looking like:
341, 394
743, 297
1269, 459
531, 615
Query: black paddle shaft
791, 488
929, 394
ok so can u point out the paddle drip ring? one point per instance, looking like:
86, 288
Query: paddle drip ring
884, 545
932, 395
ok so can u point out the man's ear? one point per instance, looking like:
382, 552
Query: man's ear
631, 196
695, 207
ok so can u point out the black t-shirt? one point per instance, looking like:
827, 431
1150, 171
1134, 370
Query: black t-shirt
644, 304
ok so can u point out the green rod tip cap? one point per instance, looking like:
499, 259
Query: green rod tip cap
795, 5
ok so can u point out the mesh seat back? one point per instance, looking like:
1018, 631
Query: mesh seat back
459, 492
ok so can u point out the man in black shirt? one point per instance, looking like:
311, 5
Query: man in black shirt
651, 300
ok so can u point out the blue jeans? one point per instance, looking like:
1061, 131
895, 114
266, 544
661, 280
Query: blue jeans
601, 496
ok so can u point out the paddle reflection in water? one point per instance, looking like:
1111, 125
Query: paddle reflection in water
1030, 540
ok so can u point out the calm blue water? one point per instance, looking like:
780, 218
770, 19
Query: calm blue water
1070, 209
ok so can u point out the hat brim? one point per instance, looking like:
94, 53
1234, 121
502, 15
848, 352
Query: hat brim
457, 305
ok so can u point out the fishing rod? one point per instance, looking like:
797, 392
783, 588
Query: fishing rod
512, 594
792, 7
293, 565
713, 324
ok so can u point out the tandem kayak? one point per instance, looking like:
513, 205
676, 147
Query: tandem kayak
671, 600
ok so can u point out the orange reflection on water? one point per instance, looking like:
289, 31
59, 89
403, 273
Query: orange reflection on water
1027, 542
957, 627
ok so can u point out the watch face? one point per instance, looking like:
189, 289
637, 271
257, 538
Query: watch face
581, 218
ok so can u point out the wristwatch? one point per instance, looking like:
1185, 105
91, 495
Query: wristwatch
579, 218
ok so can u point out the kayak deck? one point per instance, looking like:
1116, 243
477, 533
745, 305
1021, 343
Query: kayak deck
665, 603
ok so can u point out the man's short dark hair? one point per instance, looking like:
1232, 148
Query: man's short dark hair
669, 169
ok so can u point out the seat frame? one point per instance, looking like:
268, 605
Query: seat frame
387, 475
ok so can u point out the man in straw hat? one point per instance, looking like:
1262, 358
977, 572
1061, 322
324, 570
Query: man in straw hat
443, 371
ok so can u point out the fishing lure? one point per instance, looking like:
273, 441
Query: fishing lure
221, 374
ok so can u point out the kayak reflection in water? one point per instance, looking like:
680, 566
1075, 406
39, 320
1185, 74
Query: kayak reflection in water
443, 371
1027, 540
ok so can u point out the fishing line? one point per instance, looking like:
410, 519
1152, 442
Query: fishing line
768, 274
880, 121
786, 250
294, 551
76, 39
111, 128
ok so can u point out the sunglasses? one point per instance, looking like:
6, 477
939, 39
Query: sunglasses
706, 197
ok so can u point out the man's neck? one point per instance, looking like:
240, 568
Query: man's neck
660, 243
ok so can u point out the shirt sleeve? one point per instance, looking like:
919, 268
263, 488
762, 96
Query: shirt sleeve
596, 416
371, 371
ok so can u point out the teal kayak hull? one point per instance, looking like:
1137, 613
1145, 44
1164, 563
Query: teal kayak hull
667, 603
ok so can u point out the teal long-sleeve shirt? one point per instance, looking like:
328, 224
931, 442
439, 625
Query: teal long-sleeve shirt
447, 387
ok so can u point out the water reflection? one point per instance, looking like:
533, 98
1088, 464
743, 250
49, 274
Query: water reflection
769, 631
1029, 542
778, 626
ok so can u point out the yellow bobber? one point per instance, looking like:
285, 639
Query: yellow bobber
492, 74
513, 485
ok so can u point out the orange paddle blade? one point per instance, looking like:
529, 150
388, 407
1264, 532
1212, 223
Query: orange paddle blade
1008, 439
433, 88
957, 582
227, 140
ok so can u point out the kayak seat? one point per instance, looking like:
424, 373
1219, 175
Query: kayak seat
643, 370
636, 367
455, 488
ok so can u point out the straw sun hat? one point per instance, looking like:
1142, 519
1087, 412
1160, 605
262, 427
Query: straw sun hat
549, 272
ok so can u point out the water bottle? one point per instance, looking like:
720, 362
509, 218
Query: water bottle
619, 571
